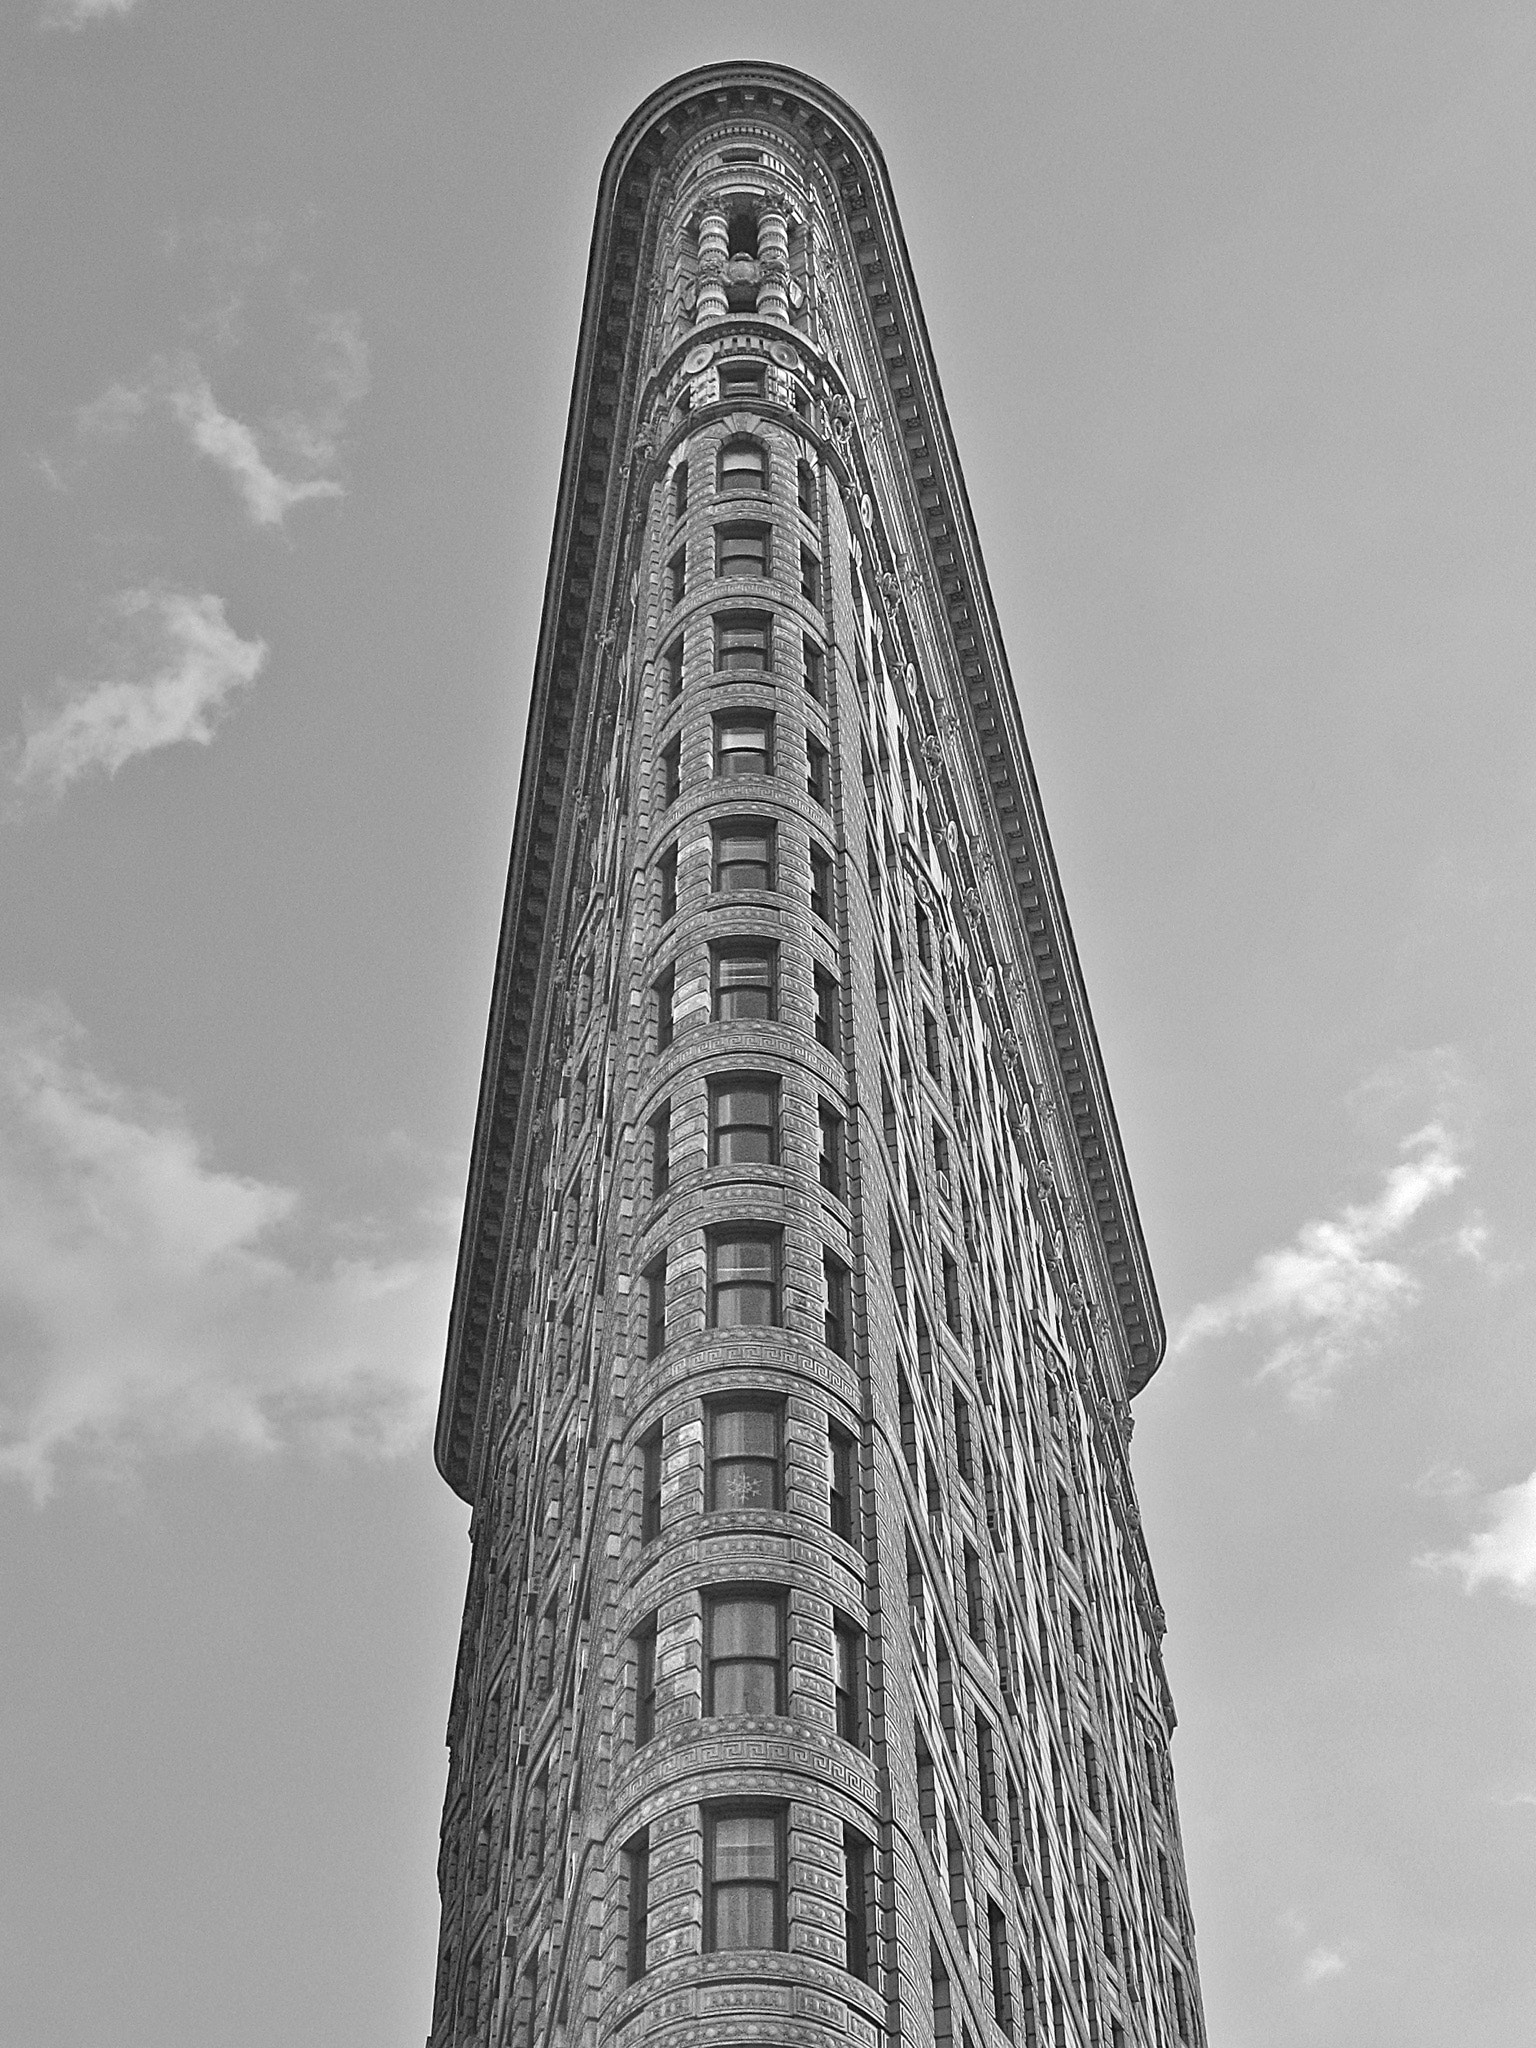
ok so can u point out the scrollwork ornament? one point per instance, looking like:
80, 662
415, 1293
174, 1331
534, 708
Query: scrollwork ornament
933, 750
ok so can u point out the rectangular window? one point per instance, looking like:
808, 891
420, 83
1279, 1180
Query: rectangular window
965, 1461
744, 1878
835, 1323
743, 1279
805, 489
810, 577
815, 672
645, 1683
680, 490
744, 643
859, 1897
849, 1682
743, 743
829, 1016
743, 855
662, 988
672, 670
986, 1769
951, 1293
637, 1855
650, 1485
818, 774
741, 550
744, 1652
656, 1307
742, 380
954, 1856
744, 1120
667, 868
940, 1149
931, 1044
829, 1164
745, 1456
1106, 1917
677, 576
745, 982
1002, 1990
924, 939
975, 1608
821, 883
671, 772
661, 1150
743, 468
842, 1482
1091, 1780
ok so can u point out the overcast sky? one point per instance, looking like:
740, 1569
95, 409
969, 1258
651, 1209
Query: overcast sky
1233, 305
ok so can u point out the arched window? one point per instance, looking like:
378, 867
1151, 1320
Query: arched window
741, 235
743, 468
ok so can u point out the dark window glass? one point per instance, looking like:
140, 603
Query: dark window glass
829, 1164
744, 1280
818, 776
744, 743
924, 939
650, 1485
745, 974
744, 642
645, 1683
829, 1023
661, 1149
663, 986
940, 1150
821, 883
656, 1307
677, 576
744, 1654
815, 672
931, 1044
744, 1878
986, 1769
834, 1281
951, 1293
743, 468
842, 1482
741, 550
667, 866
848, 1640
671, 771
859, 1896
744, 1456
743, 855
680, 490
742, 380
744, 1120
810, 577
1002, 1991
638, 1858
805, 489
672, 670
965, 1460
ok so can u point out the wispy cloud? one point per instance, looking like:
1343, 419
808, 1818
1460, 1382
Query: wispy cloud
152, 1301
1330, 1296
177, 661
75, 14
1321, 1963
1501, 1554
308, 435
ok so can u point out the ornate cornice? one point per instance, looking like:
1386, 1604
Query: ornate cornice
589, 522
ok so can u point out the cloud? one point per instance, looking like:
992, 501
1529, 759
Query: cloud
178, 662
1321, 1964
74, 14
1332, 1295
309, 435
153, 1302
1502, 1554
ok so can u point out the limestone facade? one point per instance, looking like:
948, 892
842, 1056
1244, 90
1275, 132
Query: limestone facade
809, 1687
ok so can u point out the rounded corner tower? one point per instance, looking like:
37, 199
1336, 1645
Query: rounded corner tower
809, 1688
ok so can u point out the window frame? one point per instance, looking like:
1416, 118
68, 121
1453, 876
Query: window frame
818, 772
823, 885
677, 576
814, 669
810, 576
757, 532
749, 716
828, 1013
655, 1278
725, 1810
722, 1086
651, 1476
768, 1597
733, 489
765, 830
659, 1124
842, 1481
742, 620
850, 1686
744, 949
717, 1240
741, 379
718, 1409
663, 988
831, 1148
666, 868
645, 1681
837, 1310
637, 1854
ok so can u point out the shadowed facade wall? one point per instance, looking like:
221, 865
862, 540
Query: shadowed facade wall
809, 1688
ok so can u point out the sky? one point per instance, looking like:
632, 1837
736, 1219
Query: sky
1232, 307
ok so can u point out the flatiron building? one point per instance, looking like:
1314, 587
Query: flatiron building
810, 1688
